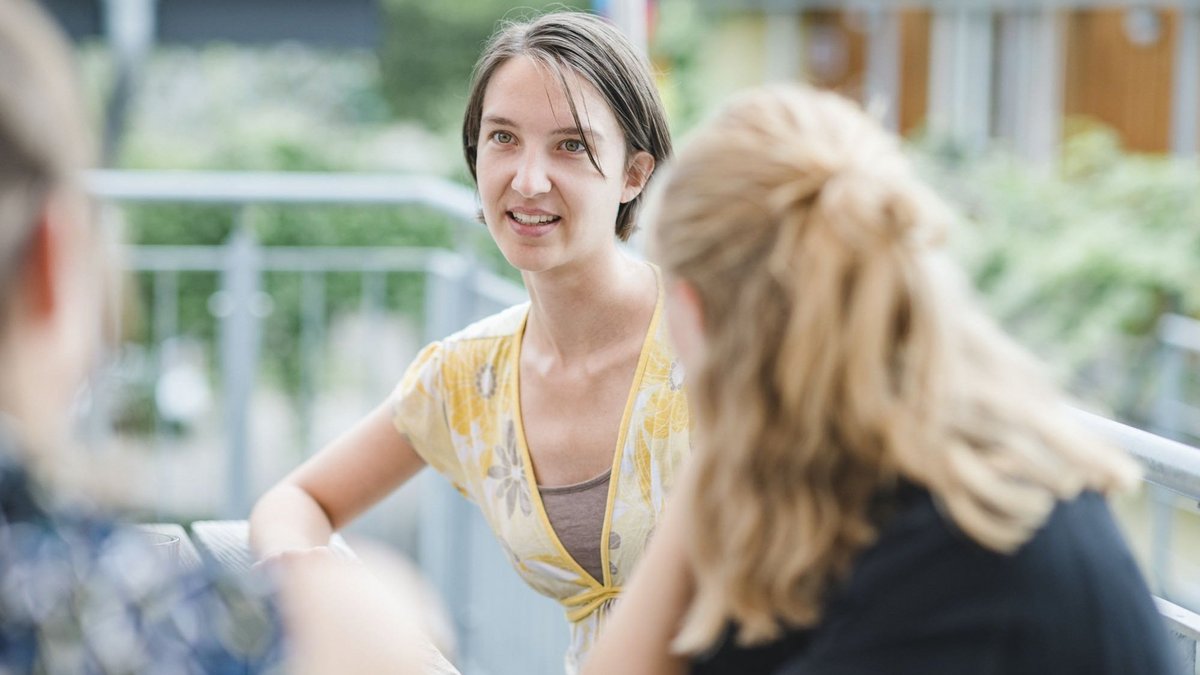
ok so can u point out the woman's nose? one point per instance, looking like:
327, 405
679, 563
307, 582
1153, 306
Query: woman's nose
531, 178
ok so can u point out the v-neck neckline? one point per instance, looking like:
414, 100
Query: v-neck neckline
622, 434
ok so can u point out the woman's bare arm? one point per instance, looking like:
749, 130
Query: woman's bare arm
347, 477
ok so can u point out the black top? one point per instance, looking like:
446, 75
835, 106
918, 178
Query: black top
925, 599
79, 594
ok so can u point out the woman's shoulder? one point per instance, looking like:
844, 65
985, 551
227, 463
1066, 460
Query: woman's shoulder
459, 357
1082, 548
926, 594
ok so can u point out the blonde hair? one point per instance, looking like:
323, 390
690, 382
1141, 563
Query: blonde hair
843, 353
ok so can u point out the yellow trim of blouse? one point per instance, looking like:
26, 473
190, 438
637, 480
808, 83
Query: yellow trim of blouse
582, 604
459, 406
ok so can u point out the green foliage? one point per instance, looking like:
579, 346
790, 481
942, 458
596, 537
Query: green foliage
429, 50
1080, 261
282, 109
679, 37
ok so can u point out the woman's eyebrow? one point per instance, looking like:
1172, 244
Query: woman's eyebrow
498, 121
587, 132
575, 131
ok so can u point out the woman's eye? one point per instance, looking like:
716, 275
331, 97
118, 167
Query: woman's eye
573, 145
502, 137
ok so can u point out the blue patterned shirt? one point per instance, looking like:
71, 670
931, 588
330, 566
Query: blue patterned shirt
79, 594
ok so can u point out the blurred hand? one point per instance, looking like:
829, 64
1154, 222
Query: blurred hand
283, 562
343, 617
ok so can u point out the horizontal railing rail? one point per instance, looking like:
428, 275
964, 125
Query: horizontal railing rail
215, 187
1176, 467
1167, 463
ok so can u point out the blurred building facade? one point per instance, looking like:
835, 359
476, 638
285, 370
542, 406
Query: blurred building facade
977, 70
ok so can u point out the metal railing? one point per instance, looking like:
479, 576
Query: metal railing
1171, 466
456, 548
240, 305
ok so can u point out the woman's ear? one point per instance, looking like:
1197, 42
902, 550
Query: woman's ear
40, 278
54, 268
637, 174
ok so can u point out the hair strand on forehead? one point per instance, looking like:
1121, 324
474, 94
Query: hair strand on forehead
557, 69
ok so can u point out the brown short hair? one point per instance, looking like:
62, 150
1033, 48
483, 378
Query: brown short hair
596, 51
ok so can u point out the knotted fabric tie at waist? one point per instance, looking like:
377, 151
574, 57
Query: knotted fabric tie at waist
580, 605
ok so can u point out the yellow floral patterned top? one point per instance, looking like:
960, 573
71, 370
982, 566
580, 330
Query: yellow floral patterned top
459, 406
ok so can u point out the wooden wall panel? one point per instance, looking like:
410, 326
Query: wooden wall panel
1122, 84
835, 29
915, 39
850, 79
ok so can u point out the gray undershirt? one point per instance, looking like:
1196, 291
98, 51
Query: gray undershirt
576, 513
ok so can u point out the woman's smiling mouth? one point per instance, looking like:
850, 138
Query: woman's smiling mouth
528, 224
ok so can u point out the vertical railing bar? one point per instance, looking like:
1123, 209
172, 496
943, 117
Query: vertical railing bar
374, 293
1166, 423
445, 532
312, 297
165, 320
240, 335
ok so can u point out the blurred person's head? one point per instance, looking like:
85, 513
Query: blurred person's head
563, 122
50, 258
833, 350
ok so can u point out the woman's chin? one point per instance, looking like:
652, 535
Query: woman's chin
530, 259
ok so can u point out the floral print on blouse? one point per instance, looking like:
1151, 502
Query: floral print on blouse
459, 406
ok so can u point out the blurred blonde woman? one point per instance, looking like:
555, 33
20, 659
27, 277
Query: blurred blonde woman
882, 481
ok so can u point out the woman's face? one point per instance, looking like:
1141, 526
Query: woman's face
543, 201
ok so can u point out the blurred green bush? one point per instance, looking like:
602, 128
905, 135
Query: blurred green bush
429, 48
1080, 260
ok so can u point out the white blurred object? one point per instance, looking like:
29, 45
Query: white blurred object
1143, 26
630, 16
182, 393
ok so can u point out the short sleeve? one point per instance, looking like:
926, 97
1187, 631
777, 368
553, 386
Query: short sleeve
419, 414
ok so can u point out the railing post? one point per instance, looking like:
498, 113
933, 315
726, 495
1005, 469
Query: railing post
444, 534
312, 301
166, 326
374, 297
1167, 423
240, 305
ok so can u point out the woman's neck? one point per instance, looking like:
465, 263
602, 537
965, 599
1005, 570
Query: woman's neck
578, 311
